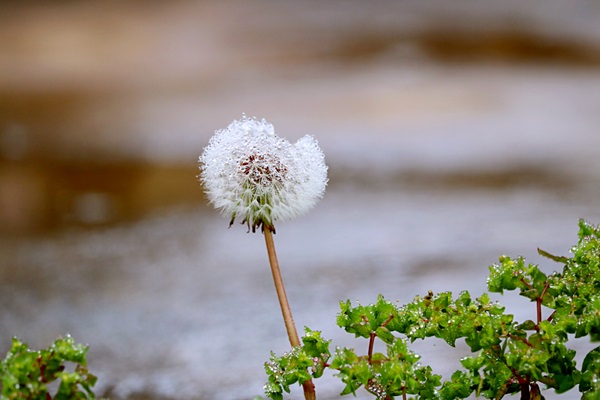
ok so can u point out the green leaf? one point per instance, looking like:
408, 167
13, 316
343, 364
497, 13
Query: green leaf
506, 275
315, 345
590, 371
559, 259
384, 334
586, 230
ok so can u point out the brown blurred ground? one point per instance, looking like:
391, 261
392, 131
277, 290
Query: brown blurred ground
78, 79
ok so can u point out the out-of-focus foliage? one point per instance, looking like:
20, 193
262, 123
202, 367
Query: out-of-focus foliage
58, 372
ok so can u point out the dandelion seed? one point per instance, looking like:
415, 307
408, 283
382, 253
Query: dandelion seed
252, 174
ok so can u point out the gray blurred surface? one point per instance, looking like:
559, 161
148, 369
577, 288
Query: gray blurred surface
454, 134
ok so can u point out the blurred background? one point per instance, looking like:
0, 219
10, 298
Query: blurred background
455, 132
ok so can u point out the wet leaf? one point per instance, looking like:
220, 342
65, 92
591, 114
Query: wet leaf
559, 259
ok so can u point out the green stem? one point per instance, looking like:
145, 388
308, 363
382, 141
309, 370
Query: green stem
308, 386
539, 305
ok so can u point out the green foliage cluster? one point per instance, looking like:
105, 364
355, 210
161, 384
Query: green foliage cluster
508, 356
31, 375
298, 365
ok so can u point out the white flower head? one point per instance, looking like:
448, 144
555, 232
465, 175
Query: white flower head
250, 173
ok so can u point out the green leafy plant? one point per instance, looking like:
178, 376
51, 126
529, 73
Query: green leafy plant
45, 374
509, 357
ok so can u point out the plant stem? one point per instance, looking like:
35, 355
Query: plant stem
308, 386
371, 343
539, 305
525, 394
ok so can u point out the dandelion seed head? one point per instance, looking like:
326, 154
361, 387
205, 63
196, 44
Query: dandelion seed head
250, 173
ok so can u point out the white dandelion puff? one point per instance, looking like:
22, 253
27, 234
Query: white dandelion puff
250, 173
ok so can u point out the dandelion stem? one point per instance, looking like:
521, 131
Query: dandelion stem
308, 386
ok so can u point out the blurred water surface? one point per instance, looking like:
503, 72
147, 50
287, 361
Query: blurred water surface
453, 135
